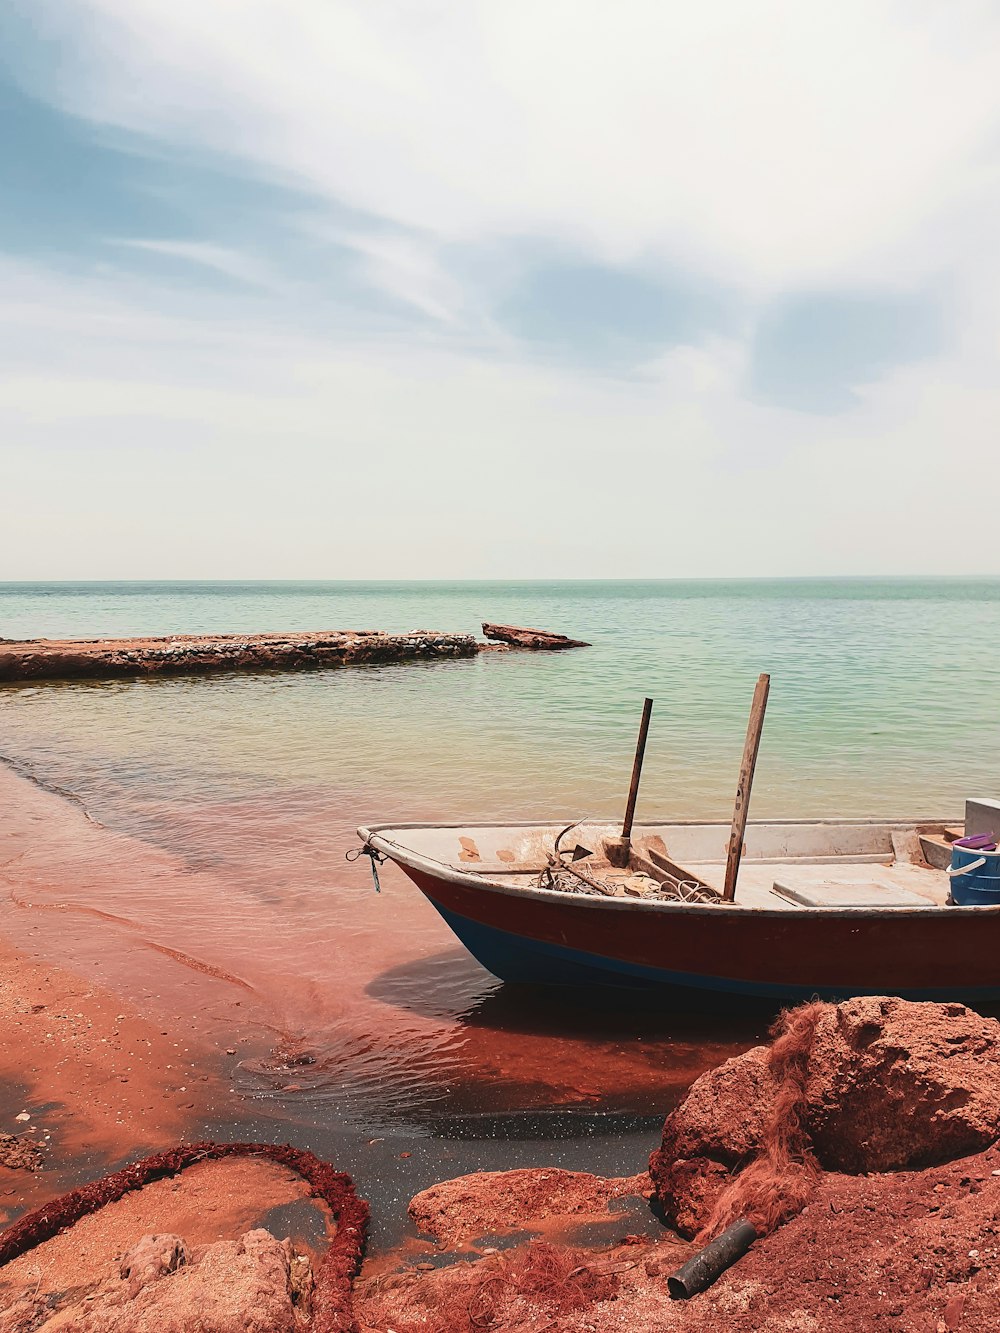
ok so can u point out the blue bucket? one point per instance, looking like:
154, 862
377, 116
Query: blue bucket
979, 887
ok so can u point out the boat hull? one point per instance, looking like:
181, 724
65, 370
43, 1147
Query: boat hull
682, 953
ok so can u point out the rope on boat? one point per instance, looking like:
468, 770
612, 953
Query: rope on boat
353, 853
340, 1264
566, 877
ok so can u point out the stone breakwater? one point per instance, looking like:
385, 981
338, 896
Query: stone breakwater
196, 654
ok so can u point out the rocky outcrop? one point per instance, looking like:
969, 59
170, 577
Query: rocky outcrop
256, 1284
489, 1202
890, 1085
538, 639
192, 654
201, 654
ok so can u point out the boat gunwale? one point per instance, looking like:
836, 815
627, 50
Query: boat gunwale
453, 875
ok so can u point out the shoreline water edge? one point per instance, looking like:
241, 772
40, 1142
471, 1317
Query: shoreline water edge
187, 961
102, 1064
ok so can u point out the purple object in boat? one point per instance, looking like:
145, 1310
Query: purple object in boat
980, 842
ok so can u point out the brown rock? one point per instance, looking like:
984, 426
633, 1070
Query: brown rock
236, 1286
895, 1084
714, 1132
494, 1201
892, 1084
153, 1257
537, 639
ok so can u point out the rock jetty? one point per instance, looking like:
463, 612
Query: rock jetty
201, 654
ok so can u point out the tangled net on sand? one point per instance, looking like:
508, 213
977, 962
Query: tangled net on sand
333, 1308
531, 1288
778, 1182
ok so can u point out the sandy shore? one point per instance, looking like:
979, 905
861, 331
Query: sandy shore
95, 1081
118, 1037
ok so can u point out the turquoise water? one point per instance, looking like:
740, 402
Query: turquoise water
882, 698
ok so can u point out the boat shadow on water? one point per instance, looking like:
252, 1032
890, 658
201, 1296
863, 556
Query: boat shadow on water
452, 984
601, 1030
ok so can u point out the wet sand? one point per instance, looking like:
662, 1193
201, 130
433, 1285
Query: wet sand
86, 1079
360, 1000
151, 996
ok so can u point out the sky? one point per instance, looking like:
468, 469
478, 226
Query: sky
498, 288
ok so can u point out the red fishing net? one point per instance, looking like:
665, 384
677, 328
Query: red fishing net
333, 1309
778, 1182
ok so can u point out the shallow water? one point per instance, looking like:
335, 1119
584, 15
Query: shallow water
882, 703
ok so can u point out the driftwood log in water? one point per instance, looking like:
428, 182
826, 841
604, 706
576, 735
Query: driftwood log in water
539, 639
196, 654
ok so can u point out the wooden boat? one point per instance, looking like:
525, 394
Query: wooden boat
831, 908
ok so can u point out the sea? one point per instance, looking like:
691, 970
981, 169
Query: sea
883, 703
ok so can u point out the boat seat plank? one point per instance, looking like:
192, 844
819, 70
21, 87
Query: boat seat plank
845, 893
756, 882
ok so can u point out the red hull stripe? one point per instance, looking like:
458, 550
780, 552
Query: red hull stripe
939, 952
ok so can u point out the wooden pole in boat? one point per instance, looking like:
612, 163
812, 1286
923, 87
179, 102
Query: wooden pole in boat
754, 728
640, 750
618, 850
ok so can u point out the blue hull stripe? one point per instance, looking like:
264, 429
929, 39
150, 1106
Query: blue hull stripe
519, 959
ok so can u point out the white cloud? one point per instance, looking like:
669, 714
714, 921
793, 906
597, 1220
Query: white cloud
784, 142
774, 146
408, 271
220, 258
190, 446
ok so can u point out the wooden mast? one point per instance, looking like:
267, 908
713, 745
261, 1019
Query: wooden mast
743, 786
618, 850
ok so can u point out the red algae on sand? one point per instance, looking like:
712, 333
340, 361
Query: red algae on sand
916, 1251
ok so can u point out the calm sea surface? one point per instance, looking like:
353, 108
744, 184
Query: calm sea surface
883, 702
883, 698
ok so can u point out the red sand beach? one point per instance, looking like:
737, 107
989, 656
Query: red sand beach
143, 1003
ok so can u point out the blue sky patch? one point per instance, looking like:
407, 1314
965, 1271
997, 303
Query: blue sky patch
813, 351
592, 312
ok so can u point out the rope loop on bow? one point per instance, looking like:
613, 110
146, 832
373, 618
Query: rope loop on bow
377, 859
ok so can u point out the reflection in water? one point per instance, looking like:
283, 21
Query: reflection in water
447, 983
